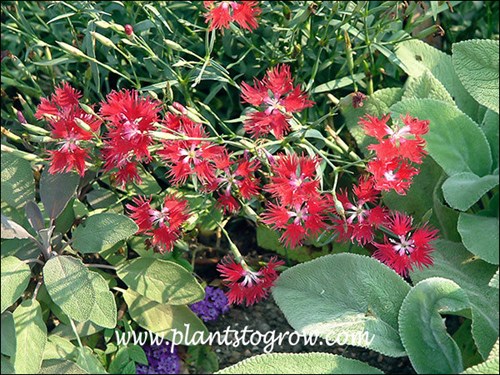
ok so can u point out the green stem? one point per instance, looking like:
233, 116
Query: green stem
76, 333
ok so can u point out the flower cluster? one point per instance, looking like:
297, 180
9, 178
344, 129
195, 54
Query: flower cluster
214, 304
130, 118
164, 225
161, 360
191, 154
300, 207
245, 285
222, 13
71, 126
397, 147
277, 98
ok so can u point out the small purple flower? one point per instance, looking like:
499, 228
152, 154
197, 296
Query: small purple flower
214, 304
161, 360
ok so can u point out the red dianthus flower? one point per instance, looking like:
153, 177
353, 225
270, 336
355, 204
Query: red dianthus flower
222, 13
277, 98
165, 224
63, 112
410, 247
246, 285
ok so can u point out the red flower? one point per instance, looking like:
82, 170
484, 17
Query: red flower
278, 99
293, 178
164, 225
130, 119
394, 174
410, 246
192, 157
237, 179
246, 285
222, 13
404, 141
67, 158
298, 221
361, 219
63, 111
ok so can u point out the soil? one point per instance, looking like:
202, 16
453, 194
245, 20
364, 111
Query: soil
266, 316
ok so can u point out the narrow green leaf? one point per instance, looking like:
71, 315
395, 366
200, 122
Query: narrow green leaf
338, 83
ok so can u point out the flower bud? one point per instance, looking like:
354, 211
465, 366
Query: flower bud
129, 30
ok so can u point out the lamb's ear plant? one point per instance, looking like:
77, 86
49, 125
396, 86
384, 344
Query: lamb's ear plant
457, 191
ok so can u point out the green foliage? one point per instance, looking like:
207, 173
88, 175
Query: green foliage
101, 231
203, 358
420, 322
333, 48
69, 285
31, 337
15, 278
18, 185
476, 64
480, 236
164, 319
307, 363
104, 307
344, 294
161, 281
462, 190
56, 190
490, 366
454, 262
